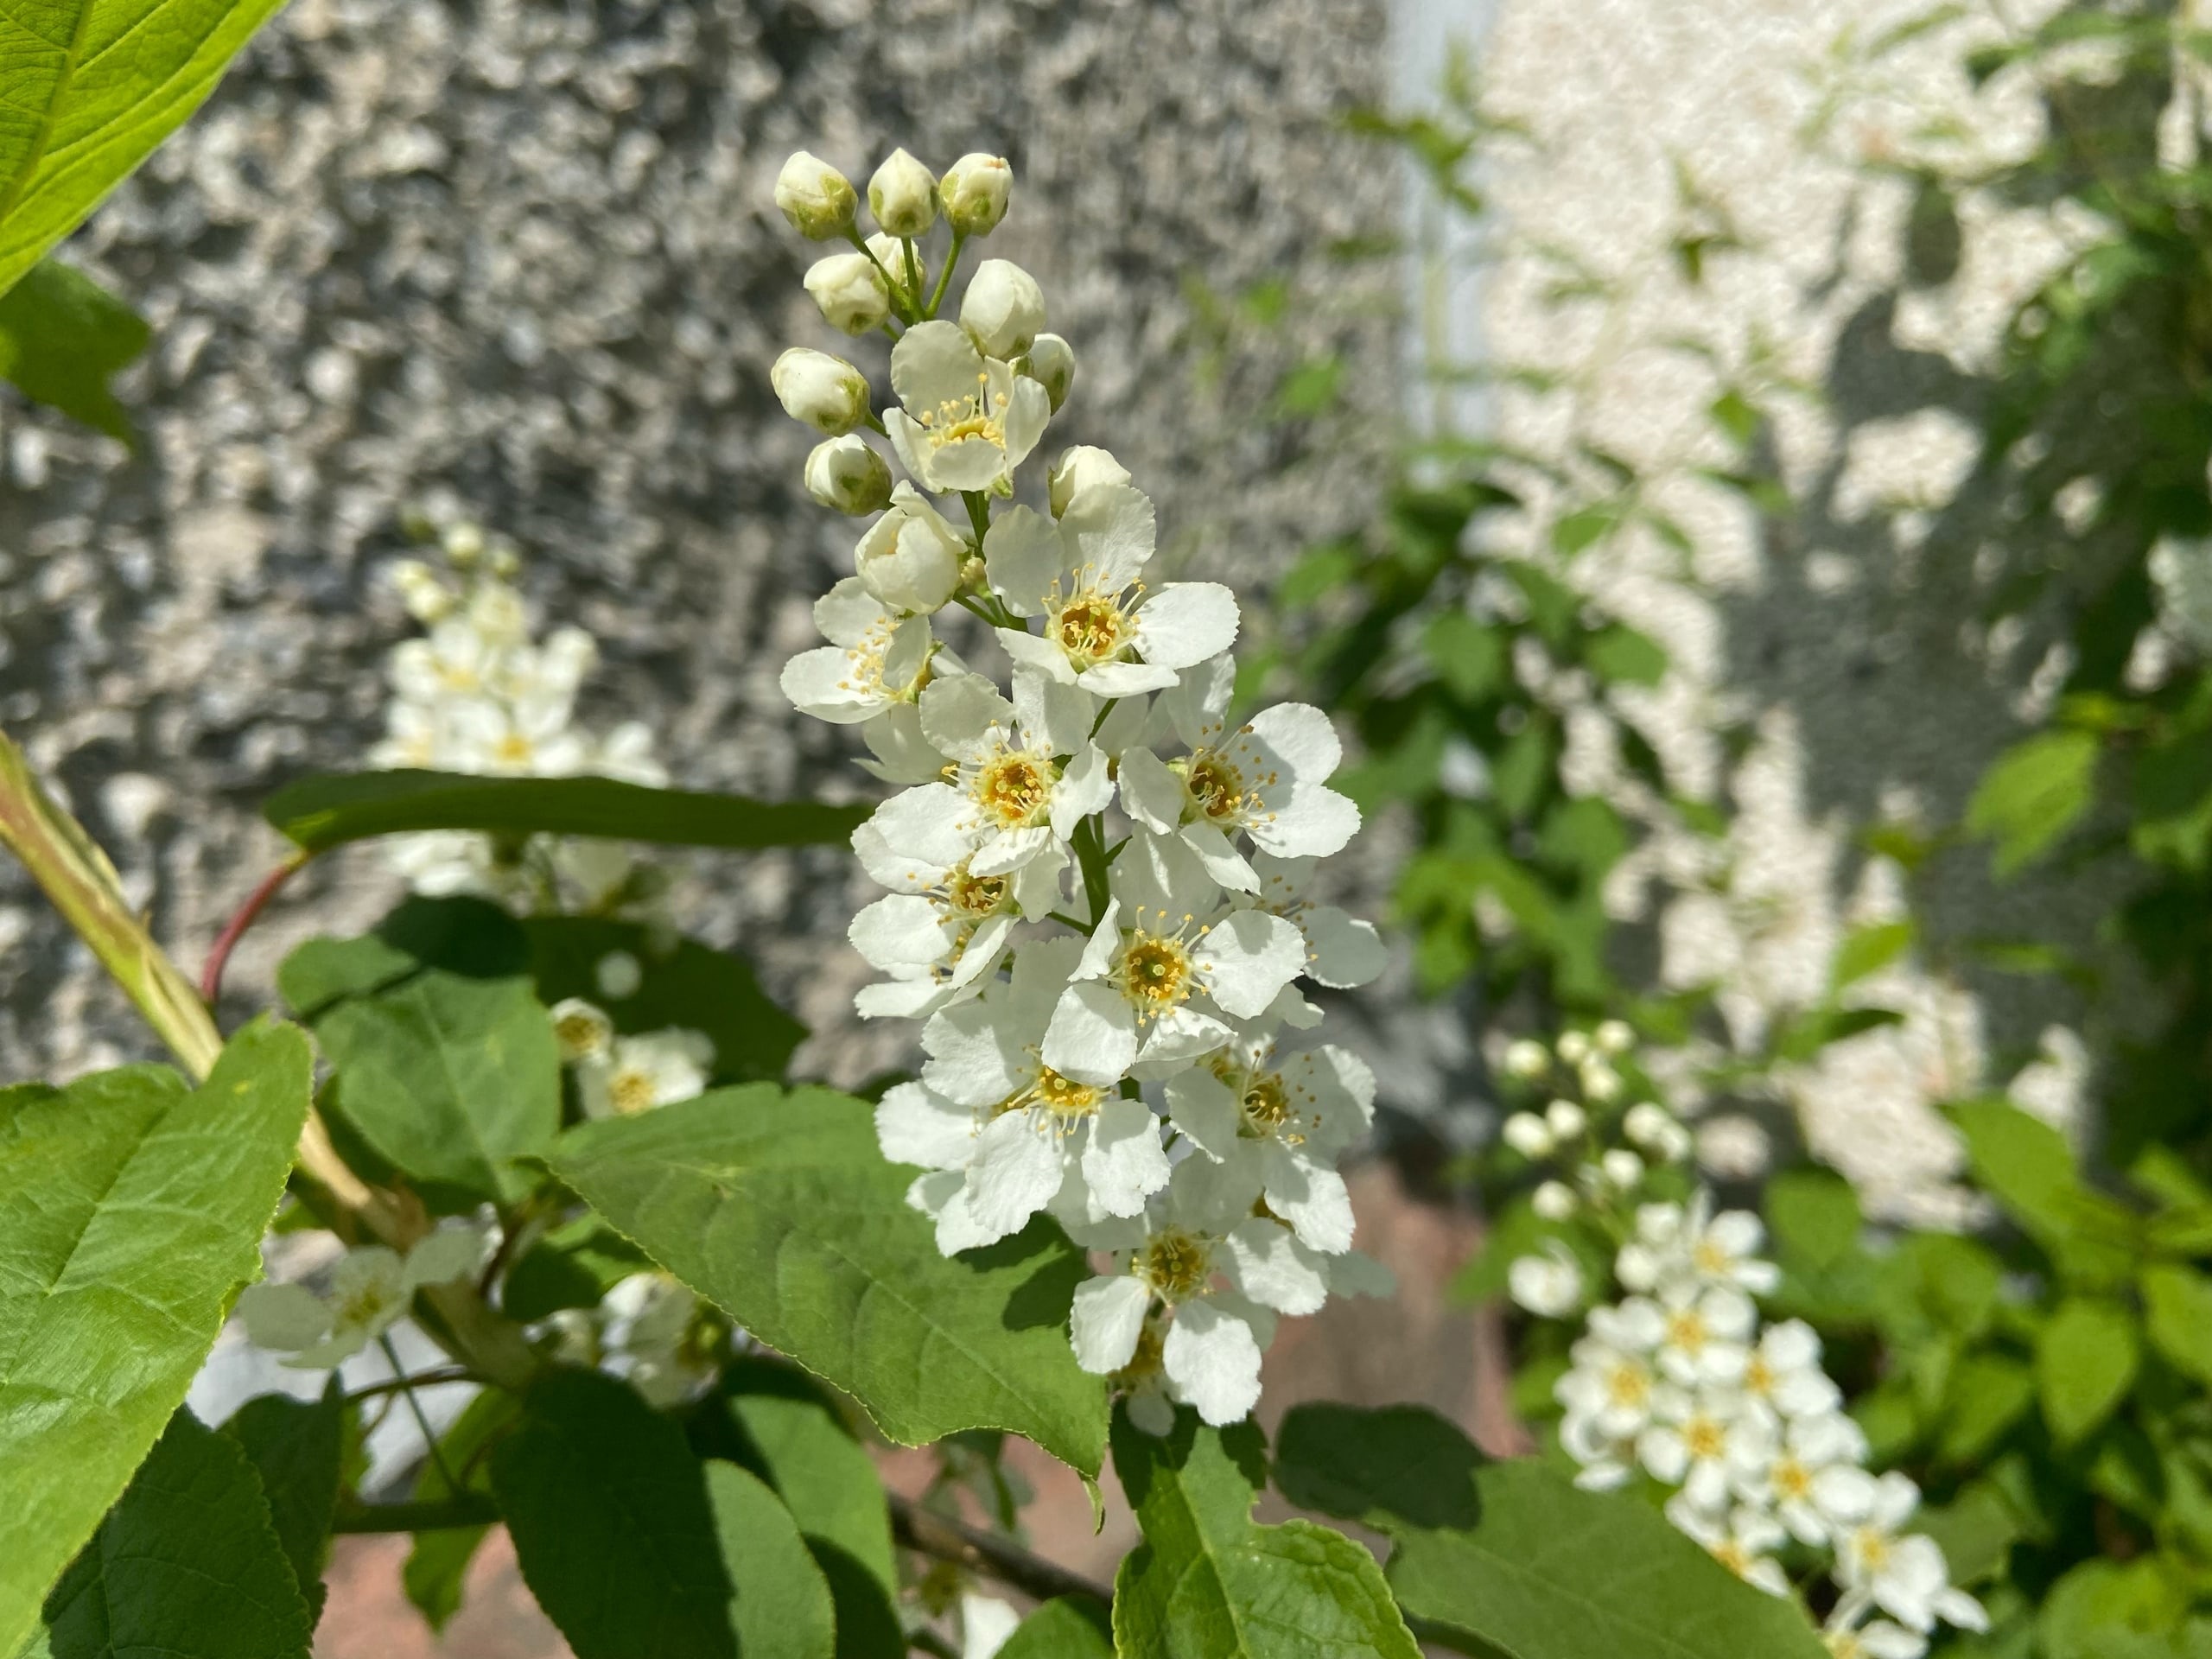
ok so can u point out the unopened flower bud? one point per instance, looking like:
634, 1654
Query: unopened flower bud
463, 544
973, 191
426, 599
1599, 1081
1082, 467
1549, 1286
1051, 364
903, 195
847, 474
891, 254
1527, 1059
503, 561
1614, 1037
911, 559
1528, 1135
827, 392
973, 572
1646, 1125
1566, 1119
817, 199
1554, 1201
1622, 1168
1574, 1047
618, 974
1002, 309
850, 291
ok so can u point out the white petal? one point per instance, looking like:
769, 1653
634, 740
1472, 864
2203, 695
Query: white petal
957, 1230
1247, 958
1111, 534
1275, 1269
1205, 1109
914, 1125
1028, 407
1107, 1320
916, 838
1099, 951
934, 363
283, 1318
1053, 716
1150, 793
902, 930
929, 1193
1023, 556
1085, 788
1009, 849
1311, 1196
977, 1055
1181, 1035
1040, 655
1186, 622
1355, 1275
1093, 1036
1219, 858
1152, 1412
440, 1257
1213, 1359
902, 754
823, 683
1125, 679
1014, 1173
1125, 1163
964, 715
1200, 698
1302, 736
1316, 823
1342, 952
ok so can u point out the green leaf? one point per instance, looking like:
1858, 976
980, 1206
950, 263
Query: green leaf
129, 1211
2177, 1310
322, 812
1803, 1037
782, 1608
2033, 794
1468, 657
296, 1448
826, 1477
2113, 1610
1975, 1530
1814, 1217
612, 1524
1066, 1627
61, 336
91, 87
2086, 1356
2029, 1169
779, 1209
446, 1061
574, 1265
691, 986
186, 1566
1868, 950
1207, 1581
1620, 655
1580, 529
437, 1567
1511, 1557
1988, 1394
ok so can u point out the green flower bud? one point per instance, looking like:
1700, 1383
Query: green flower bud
903, 195
1051, 364
826, 392
850, 291
846, 474
817, 199
973, 191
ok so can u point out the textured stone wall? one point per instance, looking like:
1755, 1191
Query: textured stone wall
520, 256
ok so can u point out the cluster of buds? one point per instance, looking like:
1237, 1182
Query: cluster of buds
1098, 878
1582, 1124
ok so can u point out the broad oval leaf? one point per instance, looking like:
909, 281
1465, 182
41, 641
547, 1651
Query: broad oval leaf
782, 1608
2086, 1356
130, 1211
611, 1522
330, 810
1066, 1627
1512, 1557
2177, 1308
1208, 1580
297, 1448
780, 1209
91, 87
61, 336
446, 1061
186, 1566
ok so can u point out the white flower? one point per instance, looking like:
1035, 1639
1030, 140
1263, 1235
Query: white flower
664, 1341
1528, 1135
1906, 1577
1142, 989
1620, 1167
826, 392
1526, 1059
581, 1029
1613, 1037
618, 974
875, 658
1051, 363
1879, 1639
1782, 1376
1573, 1047
1548, 1286
1694, 1440
527, 737
1554, 1201
1674, 1242
1341, 950
1647, 1124
1612, 1384
1010, 793
1606, 1463
1599, 1081
986, 1623
966, 420
1279, 1127
903, 195
817, 199
846, 476
1705, 1332
1102, 631
1812, 1480
1566, 1120
1742, 1543
974, 192
850, 290
1079, 469
637, 1073
370, 1289
1003, 308
910, 558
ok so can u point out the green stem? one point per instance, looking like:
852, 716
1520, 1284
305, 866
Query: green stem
913, 281
944, 277
422, 1418
979, 514
433, 1515
1089, 843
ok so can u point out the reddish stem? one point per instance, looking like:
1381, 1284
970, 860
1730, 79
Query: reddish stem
210, 977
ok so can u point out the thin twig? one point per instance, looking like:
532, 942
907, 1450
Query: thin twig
210, 977
422, 1380
426, 1515
421, 1418
986, 1553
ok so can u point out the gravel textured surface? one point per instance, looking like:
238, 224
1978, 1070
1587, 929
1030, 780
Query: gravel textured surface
523, 258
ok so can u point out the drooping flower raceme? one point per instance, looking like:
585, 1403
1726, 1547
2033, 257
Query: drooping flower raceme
1098, 878
1679, 1379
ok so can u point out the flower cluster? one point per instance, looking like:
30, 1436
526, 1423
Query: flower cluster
477, 694
1098, 878
1680, 1379
619, 1076
368, 1290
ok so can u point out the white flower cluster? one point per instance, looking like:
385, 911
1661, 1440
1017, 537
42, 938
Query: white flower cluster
1679, 1377
369, 1288
1097, 882
479, 694
619, 1076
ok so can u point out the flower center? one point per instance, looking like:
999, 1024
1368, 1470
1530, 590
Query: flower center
578, 1033
1174, 1263
1090, 627
1267, 1106
1706, 1438
957, 419
1015, 789
363, 1307
632, 1093
1215, 786
1713, 1259
977, 896
1792, 1479
1733, 1555
1628, 1384
1685, 1330
514, 749
1155, 973
1872, 1550
1759, 1376
1064, 1096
